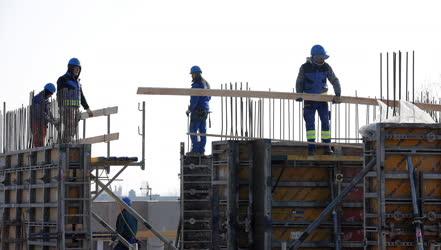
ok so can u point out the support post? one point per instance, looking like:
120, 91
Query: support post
416, 214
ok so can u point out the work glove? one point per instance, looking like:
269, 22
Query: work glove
89, 112
57, 123
299, 99
336, 99
187, 112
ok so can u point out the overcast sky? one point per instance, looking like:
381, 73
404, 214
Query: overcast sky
123, 45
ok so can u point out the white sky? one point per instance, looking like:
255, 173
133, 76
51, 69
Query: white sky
126, 44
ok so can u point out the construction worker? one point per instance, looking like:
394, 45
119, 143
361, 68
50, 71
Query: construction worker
126, 226
199, 109
41, 115
312, 80
70, 96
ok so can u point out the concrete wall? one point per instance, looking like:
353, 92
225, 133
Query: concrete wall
163, 215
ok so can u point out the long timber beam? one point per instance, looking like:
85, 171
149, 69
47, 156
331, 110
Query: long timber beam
274, 95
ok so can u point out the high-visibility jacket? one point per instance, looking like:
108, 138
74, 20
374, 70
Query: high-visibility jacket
312, 79
70, 92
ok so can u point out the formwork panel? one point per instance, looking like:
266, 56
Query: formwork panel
31, 217
304, 185
232, 162
196, 199
282, 190
393, 211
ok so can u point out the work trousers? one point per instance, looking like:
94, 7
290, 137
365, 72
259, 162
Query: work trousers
198, 123
39, 130
309, 110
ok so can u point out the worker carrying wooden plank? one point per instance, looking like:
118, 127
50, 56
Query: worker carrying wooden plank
70, 96
198, 111
41, 115
312, 80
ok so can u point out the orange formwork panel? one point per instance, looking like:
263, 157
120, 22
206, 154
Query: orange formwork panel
302, 186
403, 191
267, 193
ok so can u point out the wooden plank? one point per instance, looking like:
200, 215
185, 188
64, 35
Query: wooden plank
277, 140
100, 138
147, 234
332, 158
100, 112
275, 95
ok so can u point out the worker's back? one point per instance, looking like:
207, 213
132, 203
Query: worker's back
127, 227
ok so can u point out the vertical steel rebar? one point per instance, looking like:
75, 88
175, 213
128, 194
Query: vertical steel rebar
246, 111
407, 76
258, 118
262, 121
293, 118
289, 119
231, 110
381, 76
413, 76
394, 80
235, 109
222, 114
274, 118
269, 116
300, 120
387, 85
241, 112
399, 75
283, 119
280, 119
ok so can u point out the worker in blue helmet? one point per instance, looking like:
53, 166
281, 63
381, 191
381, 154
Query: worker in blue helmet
198, 111
312, 79
126, 226
41, 115
70, 97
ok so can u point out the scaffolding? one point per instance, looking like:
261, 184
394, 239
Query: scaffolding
46, 192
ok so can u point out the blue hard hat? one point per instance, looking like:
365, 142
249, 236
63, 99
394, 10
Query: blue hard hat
318, 50
49, 87
74, 61
195, 69
127, 201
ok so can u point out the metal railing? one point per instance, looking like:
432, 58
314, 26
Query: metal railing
48, 122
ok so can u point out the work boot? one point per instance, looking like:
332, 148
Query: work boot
311, 149
328, 150
192, 154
